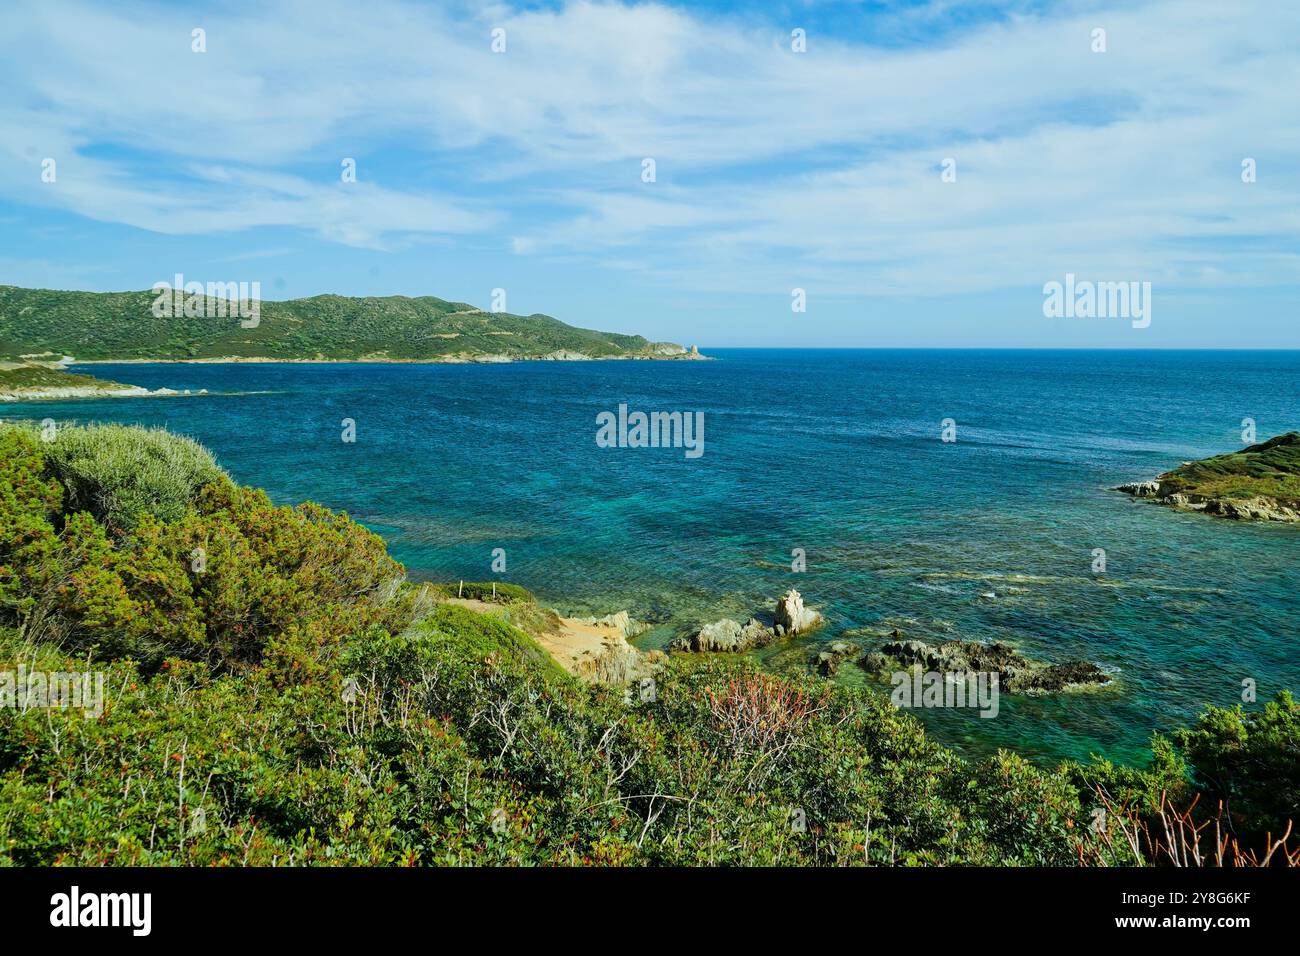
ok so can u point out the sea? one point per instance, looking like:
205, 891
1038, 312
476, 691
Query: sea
826, 471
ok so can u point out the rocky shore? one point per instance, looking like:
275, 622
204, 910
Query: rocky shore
50, 382
599, 649
1256, 508
124, 391
726, 636
1259, 483
1017, 674
678, 354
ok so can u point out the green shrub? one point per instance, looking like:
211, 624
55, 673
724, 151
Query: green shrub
121, 474
1250, 760
228, 578
30, 503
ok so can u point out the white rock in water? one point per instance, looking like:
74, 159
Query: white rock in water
1141, 489
793, 616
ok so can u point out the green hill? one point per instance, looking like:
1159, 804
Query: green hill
122, 325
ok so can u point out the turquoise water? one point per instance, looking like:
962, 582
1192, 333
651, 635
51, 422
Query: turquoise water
835, 452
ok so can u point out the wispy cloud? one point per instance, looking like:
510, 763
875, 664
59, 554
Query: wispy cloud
773, 167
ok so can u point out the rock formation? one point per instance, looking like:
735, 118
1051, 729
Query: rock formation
622, 621
793, 616
727, 636
829, 659
1016, 674
730, 637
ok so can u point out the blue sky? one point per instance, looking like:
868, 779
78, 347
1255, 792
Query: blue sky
775, 169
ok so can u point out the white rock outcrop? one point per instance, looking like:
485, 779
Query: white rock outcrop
793, 616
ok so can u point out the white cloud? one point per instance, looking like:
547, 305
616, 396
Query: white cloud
774, 168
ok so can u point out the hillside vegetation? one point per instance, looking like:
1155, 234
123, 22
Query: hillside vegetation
277, 693
121, 325
1270, 469
1258, 483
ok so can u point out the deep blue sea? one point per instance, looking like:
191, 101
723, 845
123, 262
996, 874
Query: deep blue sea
834, 452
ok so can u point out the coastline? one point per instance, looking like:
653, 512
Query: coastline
437, 519
490, 661
108, 389
39, 381
486, 359
1254, 484
62, 394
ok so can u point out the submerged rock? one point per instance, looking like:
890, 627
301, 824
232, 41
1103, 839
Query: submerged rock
1057, 677
622, 620
828, 661
876, 663
1017, 674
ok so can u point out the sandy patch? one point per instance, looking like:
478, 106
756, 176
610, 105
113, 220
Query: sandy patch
593, 651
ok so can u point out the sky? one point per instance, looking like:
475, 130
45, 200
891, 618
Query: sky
797, 146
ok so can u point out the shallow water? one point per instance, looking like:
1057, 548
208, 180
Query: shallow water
835, 452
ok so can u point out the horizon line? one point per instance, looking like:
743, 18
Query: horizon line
1005, 348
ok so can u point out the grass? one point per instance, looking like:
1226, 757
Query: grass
1269, 469
493, 592
511, 603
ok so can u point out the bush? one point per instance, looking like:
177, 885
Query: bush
1248, 760
30, 503
228, 578
121, 474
